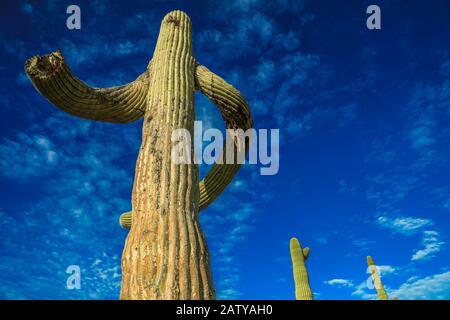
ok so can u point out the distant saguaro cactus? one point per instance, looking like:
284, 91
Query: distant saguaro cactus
165, 254
301, 279
382, 295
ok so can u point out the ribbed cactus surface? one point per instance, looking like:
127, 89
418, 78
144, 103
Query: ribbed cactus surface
382, 295
165, 254
301, 278
125, 220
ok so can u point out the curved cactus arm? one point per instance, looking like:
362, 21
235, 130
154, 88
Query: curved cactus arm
52, 77
236, 114
305, 253
382, 295
301, 278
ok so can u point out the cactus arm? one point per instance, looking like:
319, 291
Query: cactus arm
236, 114
305, 253
301, 279
125, 220
382, 295
52, 77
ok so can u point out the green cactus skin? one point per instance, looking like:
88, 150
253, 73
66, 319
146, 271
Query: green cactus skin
166, 255
382, 295
125, 220
301, 279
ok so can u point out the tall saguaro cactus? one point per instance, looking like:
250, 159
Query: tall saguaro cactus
165, 254
382, 295
301, 279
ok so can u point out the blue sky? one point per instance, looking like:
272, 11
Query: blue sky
364, 119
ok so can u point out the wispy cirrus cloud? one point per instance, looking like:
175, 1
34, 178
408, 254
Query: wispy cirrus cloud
27, 156
82, 187
228, 223
432, 245
343, 283
290, 82
405, 225
409, 226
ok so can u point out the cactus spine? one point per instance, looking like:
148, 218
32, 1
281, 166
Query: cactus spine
165, 254
382, 295
301, 279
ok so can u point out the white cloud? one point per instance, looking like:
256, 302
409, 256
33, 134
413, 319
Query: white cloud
408, 226
361, 291
28, 155
432, 245
405, 225
340, 283
386, 269
430, 288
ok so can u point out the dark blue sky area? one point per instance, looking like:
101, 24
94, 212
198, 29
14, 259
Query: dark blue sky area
364, 121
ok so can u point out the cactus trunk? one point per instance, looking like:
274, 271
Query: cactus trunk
165, 254
301, 279
382, 295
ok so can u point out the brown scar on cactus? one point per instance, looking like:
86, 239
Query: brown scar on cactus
44, 66
172, 19
166, 254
